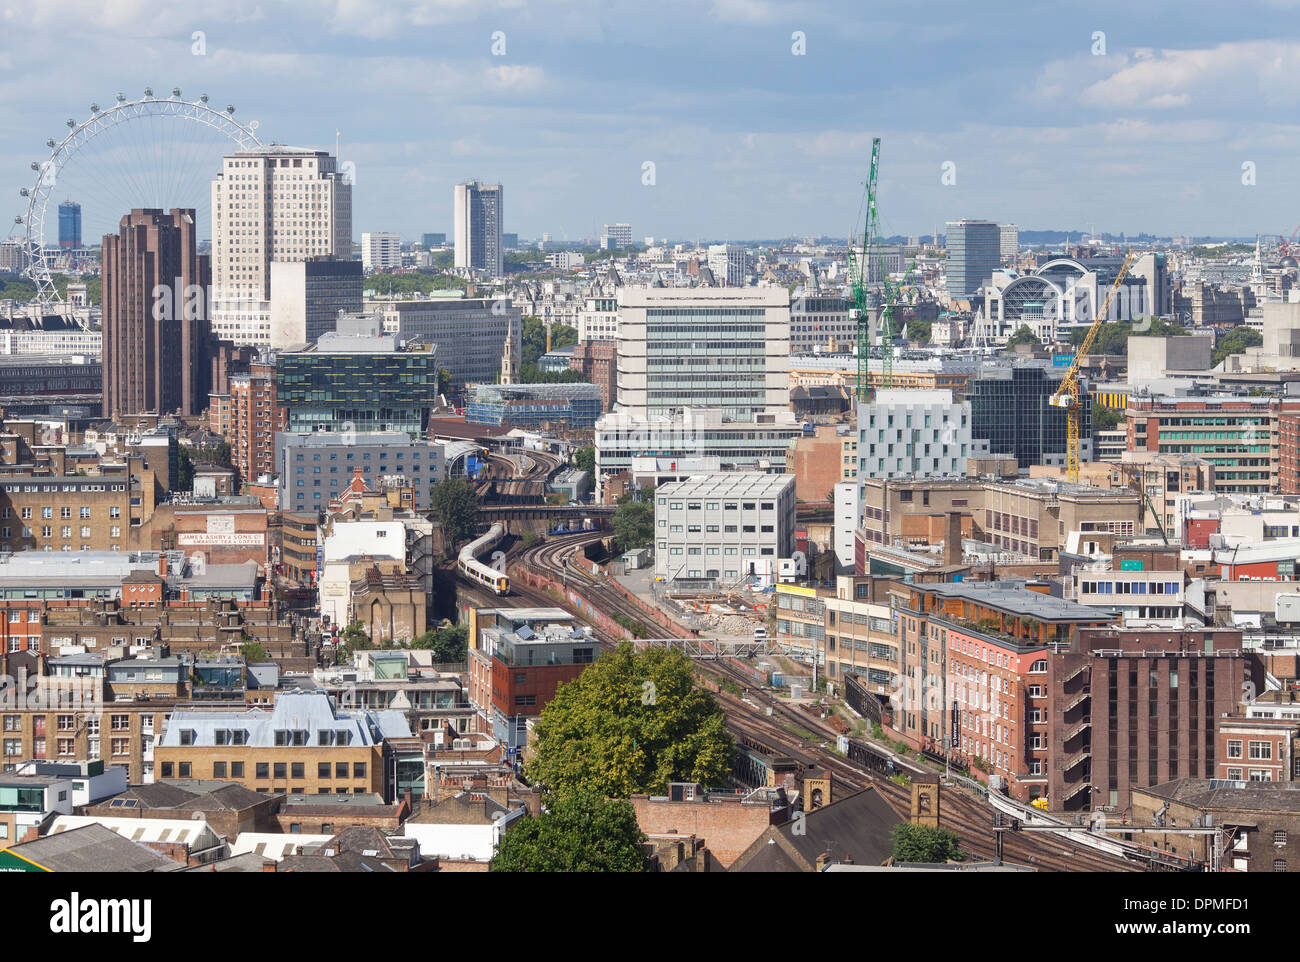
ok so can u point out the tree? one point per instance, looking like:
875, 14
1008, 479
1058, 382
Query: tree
444, 381
449, 643
1104, 418
253, 652
576, 832
1112, 338
352, 640
925, 843
457, 510
585, 459
1023, 335
632, 722
634, 525
918, 331
1235, 342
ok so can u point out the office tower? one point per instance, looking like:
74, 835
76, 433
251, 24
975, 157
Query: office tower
11, 257
69, 224
974, 253
704, 348
309, 296
380, 251
155, 315
478, 218
1010, 243
272, 204
621, 234
727, 262
469, 333
1009, 409
510, 241
352, 379
433, 240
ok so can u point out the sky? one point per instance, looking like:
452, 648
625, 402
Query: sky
757, 115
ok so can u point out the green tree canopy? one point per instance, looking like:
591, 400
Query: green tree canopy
918, 331
1235, 342
533, 340
632, 722
924, 843
253, 652
457, 509
1023, 335
449, 643
576, 832
352, 639
585, 459
634, 525
1104, 418
1113, 337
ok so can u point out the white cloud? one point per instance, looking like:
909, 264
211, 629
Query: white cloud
1187, 78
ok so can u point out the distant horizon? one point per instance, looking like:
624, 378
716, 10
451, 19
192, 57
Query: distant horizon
756, 121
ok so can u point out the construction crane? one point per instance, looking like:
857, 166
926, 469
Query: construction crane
858, 275
1067, 395
1284, 244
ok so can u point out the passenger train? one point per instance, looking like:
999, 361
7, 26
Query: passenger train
475, 570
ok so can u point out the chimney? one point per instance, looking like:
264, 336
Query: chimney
268, 867
952, 553
822, 861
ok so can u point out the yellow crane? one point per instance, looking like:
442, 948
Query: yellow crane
1067, 395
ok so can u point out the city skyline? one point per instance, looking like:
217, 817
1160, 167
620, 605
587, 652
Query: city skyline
749, 139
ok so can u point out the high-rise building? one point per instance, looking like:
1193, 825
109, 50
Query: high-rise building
510, 241
353, 379
1010, 242
913, 434
478, 218
974, 253
621, 234
248, 418
272, 204
11, 257
309, 296
69, 224
708, 348
433, 240
155, 315
1009, 409
380, 251
727, 262
469, 333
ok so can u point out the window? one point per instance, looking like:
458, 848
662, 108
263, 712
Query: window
218, 769
358, 769
1261, 751
1279, 837
263, 770
298, 770
340, 769
322, 769
184, 768
1234, 748
281, 770
166, 769
236, 769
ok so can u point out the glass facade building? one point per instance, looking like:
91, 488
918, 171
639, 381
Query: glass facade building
1009, 408
974, 253
69, 224
390, 391
576, 406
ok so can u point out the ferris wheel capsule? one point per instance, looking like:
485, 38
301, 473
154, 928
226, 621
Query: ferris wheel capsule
148, 91
203, 98
50, 142
24, 192
176, 91
230, 109
36, 167
94, 108
121, 97
70, 122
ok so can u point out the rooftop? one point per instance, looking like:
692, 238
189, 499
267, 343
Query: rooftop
733, 484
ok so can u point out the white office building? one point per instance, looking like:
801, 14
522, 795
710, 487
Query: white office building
272, 204
913, 434
309, 297
380, 251
761, 444
708, 348
1010, 243
724, 527
620, 234
478, 217
728, 264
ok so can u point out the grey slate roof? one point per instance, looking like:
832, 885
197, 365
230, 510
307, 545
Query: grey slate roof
93, 848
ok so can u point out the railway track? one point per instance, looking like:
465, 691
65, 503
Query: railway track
748, 720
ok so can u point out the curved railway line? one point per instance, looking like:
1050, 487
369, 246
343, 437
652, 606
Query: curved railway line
748, 720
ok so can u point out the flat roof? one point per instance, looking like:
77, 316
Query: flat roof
733, 484
1017, 600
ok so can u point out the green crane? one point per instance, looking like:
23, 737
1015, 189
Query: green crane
859, 274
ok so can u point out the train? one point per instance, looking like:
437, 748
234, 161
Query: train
475, 570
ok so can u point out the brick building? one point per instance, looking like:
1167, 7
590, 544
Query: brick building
1134, 707
728, 822
56, 512
974, 671
598, 363
248, 416
517, 658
